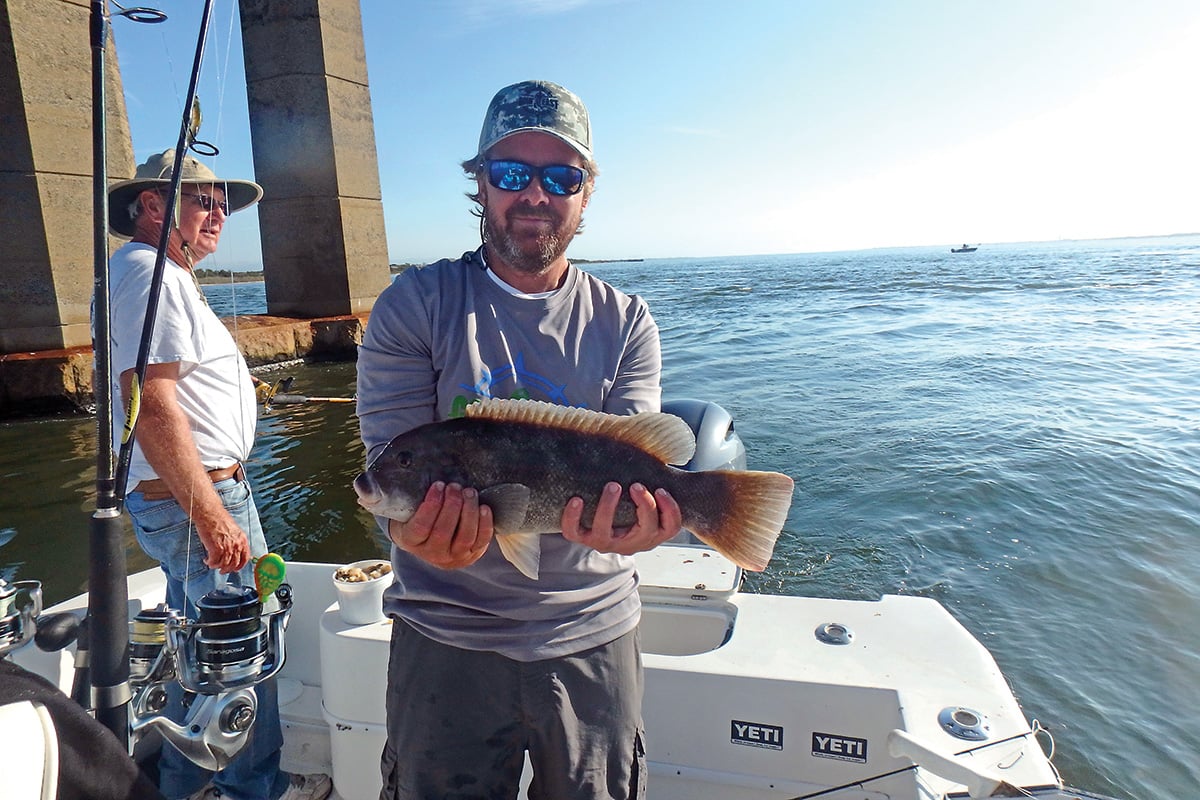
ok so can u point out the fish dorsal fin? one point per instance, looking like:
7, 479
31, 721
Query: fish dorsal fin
664, 436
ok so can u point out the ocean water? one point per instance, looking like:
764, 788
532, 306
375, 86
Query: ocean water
1013, 432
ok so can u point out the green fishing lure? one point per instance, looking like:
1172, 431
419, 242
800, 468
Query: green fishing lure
269, 572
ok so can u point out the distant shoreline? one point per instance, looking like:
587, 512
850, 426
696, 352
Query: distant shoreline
228, 276
211, 276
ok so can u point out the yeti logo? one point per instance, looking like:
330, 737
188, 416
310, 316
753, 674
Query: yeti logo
756, 734
843, 748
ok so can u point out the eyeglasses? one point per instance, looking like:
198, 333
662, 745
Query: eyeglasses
208, 202
560, 180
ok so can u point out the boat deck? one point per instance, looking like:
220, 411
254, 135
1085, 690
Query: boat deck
742, 696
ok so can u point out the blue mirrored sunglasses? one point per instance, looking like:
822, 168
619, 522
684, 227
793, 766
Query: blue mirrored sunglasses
560, 180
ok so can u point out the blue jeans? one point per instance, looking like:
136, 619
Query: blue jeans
165, 533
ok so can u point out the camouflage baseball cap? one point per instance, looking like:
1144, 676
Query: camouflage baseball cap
537, 106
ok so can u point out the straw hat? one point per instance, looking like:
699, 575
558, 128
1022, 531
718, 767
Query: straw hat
156, 172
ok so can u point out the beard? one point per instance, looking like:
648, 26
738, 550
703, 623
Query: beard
531, 253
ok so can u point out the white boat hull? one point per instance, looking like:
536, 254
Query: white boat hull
742, 697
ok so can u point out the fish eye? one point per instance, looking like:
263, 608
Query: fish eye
404, 458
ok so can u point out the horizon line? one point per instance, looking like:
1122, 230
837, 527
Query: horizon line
394, 263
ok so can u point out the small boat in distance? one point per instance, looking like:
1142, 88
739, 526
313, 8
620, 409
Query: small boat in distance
966, 248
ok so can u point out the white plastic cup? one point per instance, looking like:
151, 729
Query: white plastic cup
361, 603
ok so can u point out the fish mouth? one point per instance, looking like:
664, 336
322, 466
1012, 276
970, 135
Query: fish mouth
374, 498
368, 490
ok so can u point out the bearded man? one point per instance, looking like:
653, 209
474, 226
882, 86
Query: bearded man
486, 664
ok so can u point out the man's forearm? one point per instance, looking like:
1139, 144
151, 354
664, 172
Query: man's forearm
169, 447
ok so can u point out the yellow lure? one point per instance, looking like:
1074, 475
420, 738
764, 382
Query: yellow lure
135, 406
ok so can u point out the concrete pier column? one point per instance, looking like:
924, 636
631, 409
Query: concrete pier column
312, 132
46, 263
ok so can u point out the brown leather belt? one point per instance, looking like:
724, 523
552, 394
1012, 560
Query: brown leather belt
157, 489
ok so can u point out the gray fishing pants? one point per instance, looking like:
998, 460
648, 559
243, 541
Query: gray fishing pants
460, 721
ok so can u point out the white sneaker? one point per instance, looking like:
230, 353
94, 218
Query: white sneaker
308, 787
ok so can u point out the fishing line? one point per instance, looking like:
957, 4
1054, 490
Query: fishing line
170, 67
222, 75
205, 148
1034, 729
221, 79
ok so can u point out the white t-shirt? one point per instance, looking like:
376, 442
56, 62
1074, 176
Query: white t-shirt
214, 389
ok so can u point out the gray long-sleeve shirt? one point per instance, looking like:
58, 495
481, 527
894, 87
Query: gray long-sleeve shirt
444, 335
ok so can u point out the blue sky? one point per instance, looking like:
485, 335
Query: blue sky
765, 126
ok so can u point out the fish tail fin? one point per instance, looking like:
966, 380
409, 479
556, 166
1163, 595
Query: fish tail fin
746, 532
523, 551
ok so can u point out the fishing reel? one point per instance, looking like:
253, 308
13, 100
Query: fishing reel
20, 605
217, 659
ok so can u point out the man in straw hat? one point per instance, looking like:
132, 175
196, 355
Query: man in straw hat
187, 494
487, 664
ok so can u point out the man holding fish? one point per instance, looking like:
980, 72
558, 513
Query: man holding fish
530, 645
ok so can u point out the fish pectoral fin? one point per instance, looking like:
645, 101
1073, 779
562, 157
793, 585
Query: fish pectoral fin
524, 551
509, 503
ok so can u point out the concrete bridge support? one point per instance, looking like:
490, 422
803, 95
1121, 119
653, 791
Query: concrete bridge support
46, 261
323, 242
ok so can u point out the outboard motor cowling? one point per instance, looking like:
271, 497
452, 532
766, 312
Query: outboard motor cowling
718, 445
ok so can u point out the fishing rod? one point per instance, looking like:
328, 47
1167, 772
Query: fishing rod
276, 394
102, 676
1034, 730
301, 399
187, 136
103, 658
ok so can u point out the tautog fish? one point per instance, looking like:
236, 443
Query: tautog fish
528, 458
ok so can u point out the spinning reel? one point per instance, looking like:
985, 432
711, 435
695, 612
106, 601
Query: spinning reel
20, 605
217, 659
